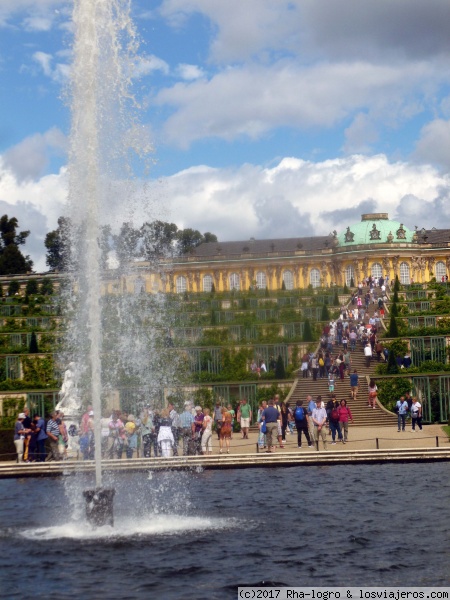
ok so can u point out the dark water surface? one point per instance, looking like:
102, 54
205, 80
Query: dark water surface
203, 534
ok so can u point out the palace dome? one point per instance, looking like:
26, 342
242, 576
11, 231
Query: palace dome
375, 228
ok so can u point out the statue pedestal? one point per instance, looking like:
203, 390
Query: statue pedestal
99, 506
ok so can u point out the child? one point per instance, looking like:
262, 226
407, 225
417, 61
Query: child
331, 382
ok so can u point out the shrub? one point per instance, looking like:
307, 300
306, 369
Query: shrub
13, 288
32, 287
33, 349
280, 372
392, 329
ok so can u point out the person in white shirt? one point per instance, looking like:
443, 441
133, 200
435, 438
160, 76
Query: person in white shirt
416, 415
319, 418
368, 354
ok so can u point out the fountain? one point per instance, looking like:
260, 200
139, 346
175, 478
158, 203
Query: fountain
104, 44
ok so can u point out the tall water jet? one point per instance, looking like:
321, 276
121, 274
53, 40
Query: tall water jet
103, 46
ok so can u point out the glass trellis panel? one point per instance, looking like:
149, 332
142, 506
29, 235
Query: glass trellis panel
444, 398
421, 391
207, 283
377, 270
430, 348
314, 278
228, 316
35, 403
5, 311
413, 322
16, 339
253, 302
235, 332
430, 321
307, 312
222, 393
405, 277
425, 306
265, 351
32, 322
251, 333
181, 284
288, 279
440, 270
421, 293
12, 367
235, 282
205, 305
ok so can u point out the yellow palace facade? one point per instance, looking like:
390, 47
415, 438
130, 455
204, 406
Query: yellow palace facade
375, 246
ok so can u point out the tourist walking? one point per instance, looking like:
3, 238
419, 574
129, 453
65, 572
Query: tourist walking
333, 421
345, 415
166, 441
271, 417
368, 354
245, 417
311, 405
52, 438
401, 408
218, 418
19, 436
301, 424
319, 417
354, 379
207, 433
41, 436
225, 431
416, 415
372, 392
186, 423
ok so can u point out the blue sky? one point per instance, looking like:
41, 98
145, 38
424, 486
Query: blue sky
269, 118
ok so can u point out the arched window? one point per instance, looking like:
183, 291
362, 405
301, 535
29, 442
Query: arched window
377, 270
207, 283
235, 282
139, 286
349, 275
405, 277
261, 280
288, 279
440, 270
314, 278
181, 284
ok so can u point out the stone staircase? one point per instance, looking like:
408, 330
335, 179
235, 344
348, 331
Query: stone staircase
362, 414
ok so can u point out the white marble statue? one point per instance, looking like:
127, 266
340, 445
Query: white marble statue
69, 401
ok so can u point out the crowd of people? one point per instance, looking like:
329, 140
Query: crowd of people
169, 433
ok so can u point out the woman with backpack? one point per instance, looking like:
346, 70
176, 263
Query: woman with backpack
333, 421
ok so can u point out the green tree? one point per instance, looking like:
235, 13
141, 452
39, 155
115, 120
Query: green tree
392, 367
392, 329
13, 288
213, 288
46, 287
188, 239
11, 258
394, 310
352, 282
345, 290
396, 287
395, 296
209, 237
280, 372
33, 349
57, 243
307, 333
283, 286
325, 315
32, 287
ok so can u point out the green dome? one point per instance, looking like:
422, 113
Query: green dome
375, 229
